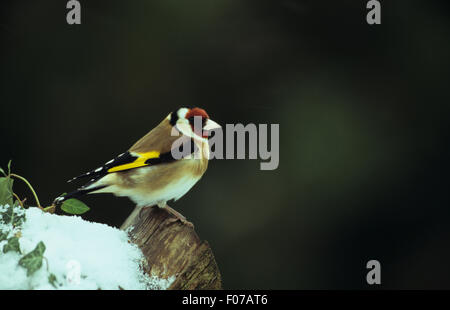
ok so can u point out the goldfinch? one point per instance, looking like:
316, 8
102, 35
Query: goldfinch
152, 171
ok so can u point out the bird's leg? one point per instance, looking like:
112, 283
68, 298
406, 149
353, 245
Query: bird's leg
178, 216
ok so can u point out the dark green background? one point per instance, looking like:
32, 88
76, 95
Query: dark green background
363, 113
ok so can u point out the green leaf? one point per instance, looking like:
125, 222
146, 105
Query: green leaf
10, 217
74, 206
6, 193
3, 236
12, 245
3, 171
52, 280
33, 260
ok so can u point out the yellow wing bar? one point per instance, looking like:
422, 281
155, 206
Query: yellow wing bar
139, 162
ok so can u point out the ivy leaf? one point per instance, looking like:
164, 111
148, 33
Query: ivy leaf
12, 245
10, 217
33, 260
6, 193
74, 206
52, 280
3, 236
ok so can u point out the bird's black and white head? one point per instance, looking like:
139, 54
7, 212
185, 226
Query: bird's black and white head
193, 122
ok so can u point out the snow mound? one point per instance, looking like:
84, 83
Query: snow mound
81, 254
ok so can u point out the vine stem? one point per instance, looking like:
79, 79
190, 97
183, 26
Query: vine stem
18, 199
29, 186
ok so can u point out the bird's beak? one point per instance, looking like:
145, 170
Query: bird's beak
211, 125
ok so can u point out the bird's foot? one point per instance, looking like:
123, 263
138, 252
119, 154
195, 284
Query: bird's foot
178, 217
182, 220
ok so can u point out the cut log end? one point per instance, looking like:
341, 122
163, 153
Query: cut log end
172, 248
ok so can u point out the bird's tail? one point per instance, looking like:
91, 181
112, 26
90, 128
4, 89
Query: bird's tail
76, 193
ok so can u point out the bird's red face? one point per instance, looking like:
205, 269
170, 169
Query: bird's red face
196, 119
197, 126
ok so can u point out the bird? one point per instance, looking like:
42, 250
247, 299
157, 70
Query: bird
161, 166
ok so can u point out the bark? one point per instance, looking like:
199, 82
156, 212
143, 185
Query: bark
173, 248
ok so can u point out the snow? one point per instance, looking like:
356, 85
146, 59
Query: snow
81, 254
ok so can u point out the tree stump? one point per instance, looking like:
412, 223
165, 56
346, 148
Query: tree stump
172, 248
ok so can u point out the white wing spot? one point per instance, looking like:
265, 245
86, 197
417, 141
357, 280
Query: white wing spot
98, 169
109, 162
